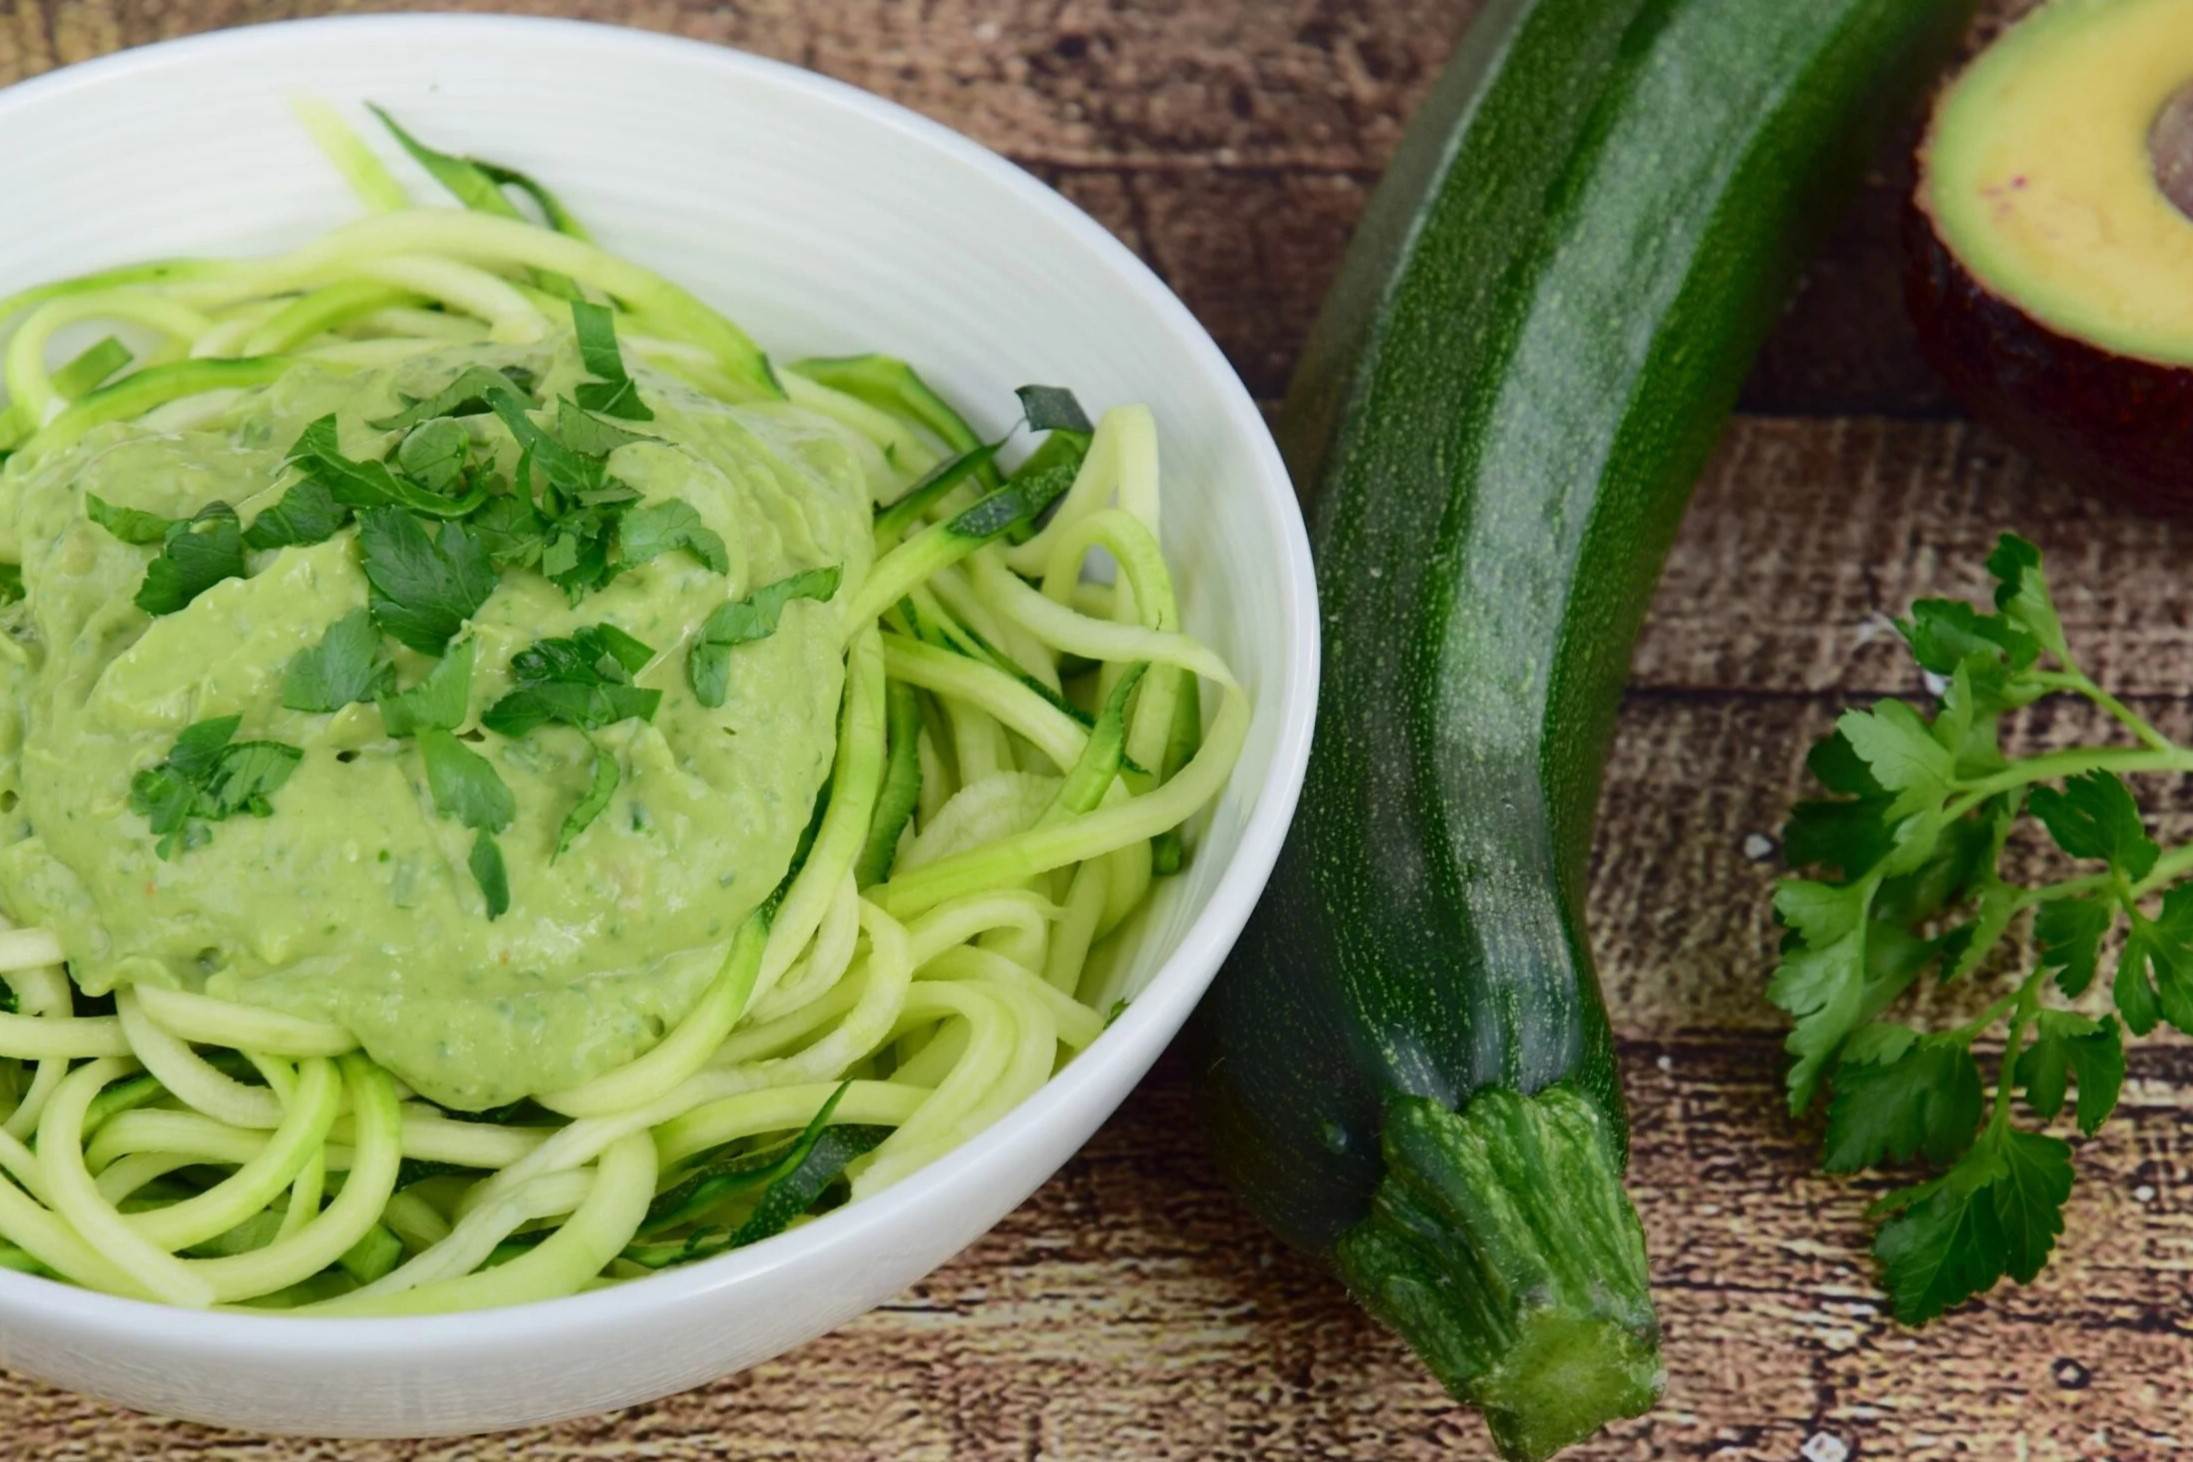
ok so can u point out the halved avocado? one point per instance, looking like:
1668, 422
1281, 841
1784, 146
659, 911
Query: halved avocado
2052, 242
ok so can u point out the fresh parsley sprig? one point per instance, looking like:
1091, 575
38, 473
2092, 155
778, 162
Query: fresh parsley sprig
1909, 846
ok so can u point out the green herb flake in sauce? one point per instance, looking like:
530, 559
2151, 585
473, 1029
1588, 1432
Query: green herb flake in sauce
345, 666
584, 680
208, 777
438, 701
708, 663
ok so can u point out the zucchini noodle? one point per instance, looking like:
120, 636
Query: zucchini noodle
1020, 743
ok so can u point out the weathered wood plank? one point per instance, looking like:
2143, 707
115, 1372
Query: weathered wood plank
1805, 536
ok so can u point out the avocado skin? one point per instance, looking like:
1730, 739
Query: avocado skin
2114, 424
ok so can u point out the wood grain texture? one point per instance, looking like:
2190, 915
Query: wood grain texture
1131, 1310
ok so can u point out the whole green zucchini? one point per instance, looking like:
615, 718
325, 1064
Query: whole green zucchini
1536, 337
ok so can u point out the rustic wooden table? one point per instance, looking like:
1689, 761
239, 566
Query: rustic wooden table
1131, 1309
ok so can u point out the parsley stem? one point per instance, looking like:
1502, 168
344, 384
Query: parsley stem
1995, 1012
2071, 762
2070, 888
2027, 1000
2076, 682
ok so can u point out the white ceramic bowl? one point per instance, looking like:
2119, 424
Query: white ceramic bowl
825, 220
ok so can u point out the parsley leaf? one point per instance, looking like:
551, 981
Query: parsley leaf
588, 435
612, 393
2155, 973
194, 556
583, 681
363, 484
469, 393
208, 776
307, 513
657, 528
564, 468
1822, 977
1901, 753
1997, 1212
579, 504
1943, 632
422, 589
131, 525
601, 786
466, 788
436, 454
1925, 1099
510, 530
2022, 594
345, 666
464, 783
2070, 932
438, 701
491, 874
1848, 834
2095, 817
708, 662
2067, 1045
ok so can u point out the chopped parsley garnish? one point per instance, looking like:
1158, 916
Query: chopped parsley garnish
583, 681
307, 513
612, 392
436, 454
590, 436
367, 484
438, 701
657, 528
491, 874
345, 666
435, 526
208, 777
195, 554
740, 621
467, 789
469, 394
422, 589
569, 526
131, 525
601, 786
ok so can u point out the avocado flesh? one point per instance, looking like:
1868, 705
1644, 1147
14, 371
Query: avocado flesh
2050, 277
2040, 178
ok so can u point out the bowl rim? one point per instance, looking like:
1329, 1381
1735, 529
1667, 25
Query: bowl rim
1140, 1032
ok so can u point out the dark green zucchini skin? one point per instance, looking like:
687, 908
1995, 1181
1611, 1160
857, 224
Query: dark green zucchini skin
1536, 337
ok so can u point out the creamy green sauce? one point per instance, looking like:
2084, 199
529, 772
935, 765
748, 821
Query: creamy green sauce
352, 903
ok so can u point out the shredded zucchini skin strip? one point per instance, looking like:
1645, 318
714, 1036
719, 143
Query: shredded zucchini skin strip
201, 1152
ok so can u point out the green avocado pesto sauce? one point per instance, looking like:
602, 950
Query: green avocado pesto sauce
352, 901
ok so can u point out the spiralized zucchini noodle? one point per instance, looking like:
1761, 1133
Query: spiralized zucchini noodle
1022, 738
